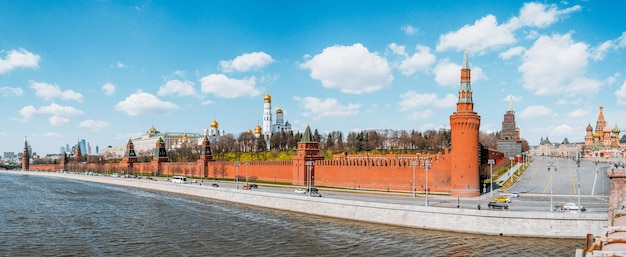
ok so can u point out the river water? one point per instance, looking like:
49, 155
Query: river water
43, 216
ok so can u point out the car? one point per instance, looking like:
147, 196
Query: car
254, 186
502, 199
300, 191
315, 194
305, 190
573, 206
499, 205
215, 185
515, 194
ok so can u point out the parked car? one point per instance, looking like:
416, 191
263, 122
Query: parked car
502, 199
254, 186
315, 194
215, 185
514, 194
499, 205
305, 190
573, 206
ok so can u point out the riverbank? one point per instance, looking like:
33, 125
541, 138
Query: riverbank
506, 223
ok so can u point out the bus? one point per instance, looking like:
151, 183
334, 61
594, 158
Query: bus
179, 179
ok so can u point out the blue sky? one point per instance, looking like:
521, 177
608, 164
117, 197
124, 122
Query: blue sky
106, 71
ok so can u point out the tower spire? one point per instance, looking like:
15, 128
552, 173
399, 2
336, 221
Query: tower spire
465, 102
465, 60
511, 104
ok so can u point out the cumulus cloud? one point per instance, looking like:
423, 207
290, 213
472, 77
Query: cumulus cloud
421, 60
351, 69
578, 113
485, 33
108, 88
178, 88
553, 62
19, 58
11, 91
329, 107
449, 74
412, 100
59, 113
207, 102
409, 30
600, 51
94, 124
621, 94
142, 103
247, 62
417, 115
536, 111
222, 86
48, 91
513, 51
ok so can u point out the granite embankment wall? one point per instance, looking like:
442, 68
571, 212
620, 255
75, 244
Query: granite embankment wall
507, 223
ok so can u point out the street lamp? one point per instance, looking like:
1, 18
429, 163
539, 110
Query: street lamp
578, 184
413, 187
551, 182
426, 164
247, 163
237, 175
491, 163
308, 166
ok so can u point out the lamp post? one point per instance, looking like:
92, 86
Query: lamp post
426, 164
308, 171
578, 183
491, 162
413, 187
551, 182
237, 175
247, 163
190, 171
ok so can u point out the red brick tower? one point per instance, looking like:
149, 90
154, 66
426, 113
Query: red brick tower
464, 128
25, 156
160, 155
303, 163
130, 156
205, 156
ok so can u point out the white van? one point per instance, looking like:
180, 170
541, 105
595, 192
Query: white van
179, 179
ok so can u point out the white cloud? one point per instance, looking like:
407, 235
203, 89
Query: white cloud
513, 98
564, 129
598, 53
48, 91
58, 113
449, 74
247, 62
553, 62
409, 30
121, 65
58, 120
535, 111
178, 88
513, 51
542, 15
94, 124
412, 100
420, 115
222, 86
207, 102
583, 86
329, 107
142, 103
484, 34
621, 94
578, 113
19, 58
351, 69
421, 60
11, 91
108, 88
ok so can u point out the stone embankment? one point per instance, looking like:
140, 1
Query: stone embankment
506, 223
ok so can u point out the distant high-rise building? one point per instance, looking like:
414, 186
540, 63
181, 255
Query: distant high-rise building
62, 150
97, 150
67, 148
88, 148
83, 147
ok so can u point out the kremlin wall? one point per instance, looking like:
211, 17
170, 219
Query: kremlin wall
453, 172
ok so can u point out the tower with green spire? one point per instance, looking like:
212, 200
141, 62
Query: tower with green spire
304, 161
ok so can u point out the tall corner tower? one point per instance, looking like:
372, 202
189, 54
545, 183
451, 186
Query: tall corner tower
267, 115
464, 128
25, 156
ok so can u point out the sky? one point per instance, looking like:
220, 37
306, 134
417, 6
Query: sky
106, 71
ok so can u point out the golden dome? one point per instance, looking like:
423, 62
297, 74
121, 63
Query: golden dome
249, 132
214, 124
267, 98
257, 130
279, 111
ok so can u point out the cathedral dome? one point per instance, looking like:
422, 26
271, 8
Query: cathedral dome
607, 128
267, 98
257, 130
279, 111
589, 128
214, 124
249, 132
616, 129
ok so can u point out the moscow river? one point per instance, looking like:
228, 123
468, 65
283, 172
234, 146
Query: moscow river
43, 216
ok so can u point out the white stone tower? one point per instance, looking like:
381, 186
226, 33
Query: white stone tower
267, 115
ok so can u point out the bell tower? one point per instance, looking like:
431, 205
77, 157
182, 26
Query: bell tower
464, 128
25, 156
